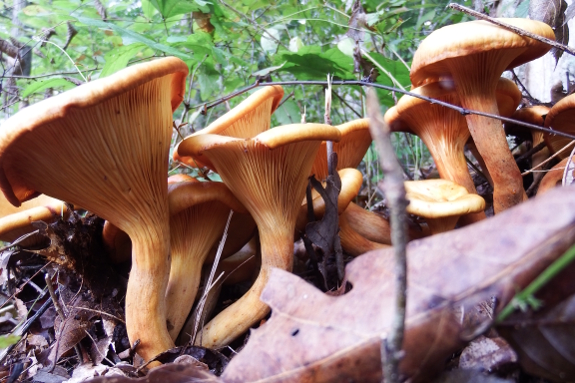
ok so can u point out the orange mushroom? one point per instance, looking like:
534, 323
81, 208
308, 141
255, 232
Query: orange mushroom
474, 55
104, 146
268, 174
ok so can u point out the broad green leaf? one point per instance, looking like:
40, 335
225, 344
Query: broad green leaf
39, 86
170, 8
288, 113
427, 17
119, 57
8, 340
133, 36
311, 63
266, 71
148, 8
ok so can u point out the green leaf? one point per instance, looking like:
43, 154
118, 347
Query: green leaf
134, 37
288, 113
39, 86
119, 57
310, 63
8, 340
170, 8
148, 9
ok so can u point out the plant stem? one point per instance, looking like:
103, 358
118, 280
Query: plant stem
392, 186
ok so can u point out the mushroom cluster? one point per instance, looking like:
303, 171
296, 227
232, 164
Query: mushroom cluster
105, 145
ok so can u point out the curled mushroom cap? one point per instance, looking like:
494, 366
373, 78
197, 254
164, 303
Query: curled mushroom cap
355, 140
553, 177
198, 215
104, 146
441, 202
354, 243
561, 117
17, 221
268, 174
249, 118
474, 55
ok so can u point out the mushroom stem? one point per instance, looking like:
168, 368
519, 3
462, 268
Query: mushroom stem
478, 93
145, 302
277, 251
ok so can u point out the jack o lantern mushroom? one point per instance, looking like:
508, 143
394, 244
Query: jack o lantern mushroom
17, 221
553, 177
249, 118
268, 174
440, 202
355, 140
198, 215
474, 55
444, 131
561, 117
104, 146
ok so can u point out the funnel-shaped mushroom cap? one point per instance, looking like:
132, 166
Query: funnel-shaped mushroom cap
268, 174
554, 177
17, 221
104, 146
198, 215
441, 202
176, 178
474, 55
250, 117
355, 140
351, 180
561, 117
475, 38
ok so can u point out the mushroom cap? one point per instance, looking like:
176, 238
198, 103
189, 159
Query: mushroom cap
271, 139
553, 178
175, 178
46, 117
355, 140
473, 37
249, 118
440, 198
561, 117
508, 98
17, 221
533, 115
183, 195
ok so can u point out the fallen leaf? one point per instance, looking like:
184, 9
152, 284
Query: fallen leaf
469, 376
167, 373
337, 339
553, 13
487, 354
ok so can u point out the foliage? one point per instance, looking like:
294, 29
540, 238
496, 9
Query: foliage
8, 340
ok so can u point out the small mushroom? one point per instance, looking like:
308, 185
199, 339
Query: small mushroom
198, 215
553, 177
249, 118
355, 140
441, 202
561, 117
17, 221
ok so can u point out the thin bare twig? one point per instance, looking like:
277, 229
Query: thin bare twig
392, 186
463, 111
548, 159
519, 31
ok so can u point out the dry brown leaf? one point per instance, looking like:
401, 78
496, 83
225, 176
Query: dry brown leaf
168, 373
337, 339
487, 354
553, 13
